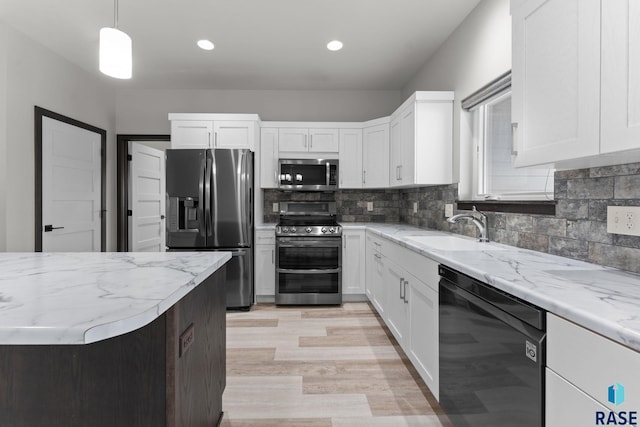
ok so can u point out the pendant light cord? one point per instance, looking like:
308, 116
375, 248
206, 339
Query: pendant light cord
115, 14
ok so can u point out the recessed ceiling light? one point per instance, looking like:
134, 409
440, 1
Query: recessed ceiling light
334, 45
205, 44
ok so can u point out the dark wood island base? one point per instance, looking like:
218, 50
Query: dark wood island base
170, 372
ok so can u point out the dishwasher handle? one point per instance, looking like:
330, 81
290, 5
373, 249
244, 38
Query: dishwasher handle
524, 328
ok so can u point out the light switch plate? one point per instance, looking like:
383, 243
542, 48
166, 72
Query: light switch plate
369, 206
415, 207
275, 207
448, 210
623, 220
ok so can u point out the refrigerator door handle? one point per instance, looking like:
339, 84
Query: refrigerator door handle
246, 198
207, 196
201, 194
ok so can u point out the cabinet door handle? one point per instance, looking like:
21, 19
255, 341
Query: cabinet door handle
210, 140
364, 177
273, 256
310, 141
514, 140
406, 300
401, 286
400, 174
215, 140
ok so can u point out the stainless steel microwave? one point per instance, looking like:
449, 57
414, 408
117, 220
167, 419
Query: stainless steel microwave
308, 174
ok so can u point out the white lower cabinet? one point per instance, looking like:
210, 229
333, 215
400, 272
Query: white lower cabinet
422, 342
265, 263
353, 262
567, 405
583, 368
397, 308
402, 285
375, 274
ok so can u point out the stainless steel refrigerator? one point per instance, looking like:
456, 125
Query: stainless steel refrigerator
210, 208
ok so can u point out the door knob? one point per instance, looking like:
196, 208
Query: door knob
50, 227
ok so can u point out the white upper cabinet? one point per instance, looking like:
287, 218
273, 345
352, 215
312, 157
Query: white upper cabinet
375, 156
293, 140
234, 134
350, 158
576, 82
620, 127
421, 140
191, 134
324, 140
233, 131
555, 80
268, 154
305, 140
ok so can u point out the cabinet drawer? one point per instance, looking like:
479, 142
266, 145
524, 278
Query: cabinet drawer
420, 266
565, 405
592, 362
376, 243
265, 237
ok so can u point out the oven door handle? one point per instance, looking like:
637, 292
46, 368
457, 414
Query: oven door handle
309, 243
309, 271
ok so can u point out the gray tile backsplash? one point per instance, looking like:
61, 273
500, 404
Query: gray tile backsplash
578, 230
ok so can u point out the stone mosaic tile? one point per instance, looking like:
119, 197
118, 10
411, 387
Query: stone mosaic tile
597, 188
517, 222
535, 242
615, 256
572, 209
576, 249
572, 174
627, 187
550, 226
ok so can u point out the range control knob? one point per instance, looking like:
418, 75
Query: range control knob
332, 230
293, 229
308, 229
285, 230
324, 229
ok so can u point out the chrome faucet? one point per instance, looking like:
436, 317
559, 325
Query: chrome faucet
480, 223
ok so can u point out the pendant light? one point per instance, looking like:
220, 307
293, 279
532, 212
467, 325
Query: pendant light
115, 50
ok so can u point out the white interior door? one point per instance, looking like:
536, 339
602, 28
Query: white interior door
147, 199
71, 188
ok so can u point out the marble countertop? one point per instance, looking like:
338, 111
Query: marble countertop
80, 298
603, 299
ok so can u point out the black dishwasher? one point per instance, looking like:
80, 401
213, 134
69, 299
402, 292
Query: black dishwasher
492, 355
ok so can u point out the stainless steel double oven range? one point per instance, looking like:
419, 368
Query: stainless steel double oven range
308, 254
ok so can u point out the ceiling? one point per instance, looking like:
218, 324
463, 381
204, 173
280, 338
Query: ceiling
260, 44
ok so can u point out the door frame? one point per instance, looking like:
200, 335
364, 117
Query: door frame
122, 166
39, 114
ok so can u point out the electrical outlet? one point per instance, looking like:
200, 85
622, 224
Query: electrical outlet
275, 207
369, 206
623, 220
415, 207
448, 210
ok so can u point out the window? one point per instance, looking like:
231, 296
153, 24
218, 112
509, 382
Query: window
494, 177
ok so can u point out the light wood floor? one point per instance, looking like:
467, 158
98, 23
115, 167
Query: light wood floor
321, 366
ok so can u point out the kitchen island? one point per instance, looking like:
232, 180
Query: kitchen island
106, 339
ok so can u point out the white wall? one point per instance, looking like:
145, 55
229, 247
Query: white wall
478, 51
145, 111
37, 76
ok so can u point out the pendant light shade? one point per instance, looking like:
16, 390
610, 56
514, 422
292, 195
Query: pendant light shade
115, 50
115, 53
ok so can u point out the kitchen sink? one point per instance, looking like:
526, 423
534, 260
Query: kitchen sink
453, 243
